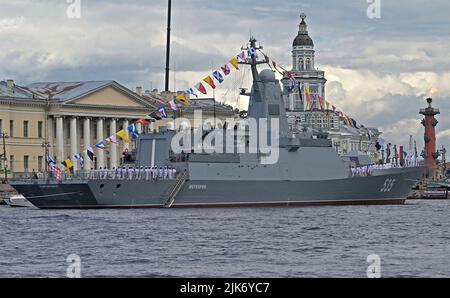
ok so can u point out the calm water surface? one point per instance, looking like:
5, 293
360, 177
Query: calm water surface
412, 240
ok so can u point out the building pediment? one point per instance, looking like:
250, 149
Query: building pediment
110, 96
95, 93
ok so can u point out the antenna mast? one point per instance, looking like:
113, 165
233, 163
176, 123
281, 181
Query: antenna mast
169, 16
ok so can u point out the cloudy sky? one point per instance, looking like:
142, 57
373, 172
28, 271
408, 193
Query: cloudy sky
379, 70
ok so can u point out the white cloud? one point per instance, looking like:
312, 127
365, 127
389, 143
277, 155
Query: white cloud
378, 71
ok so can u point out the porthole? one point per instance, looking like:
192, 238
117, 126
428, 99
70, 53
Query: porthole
118, 185
102, 185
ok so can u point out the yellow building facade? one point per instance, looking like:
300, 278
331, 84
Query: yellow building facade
64, 119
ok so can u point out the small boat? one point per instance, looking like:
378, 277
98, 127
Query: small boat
19, 201
436, 191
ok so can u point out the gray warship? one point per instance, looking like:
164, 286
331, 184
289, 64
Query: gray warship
308, 171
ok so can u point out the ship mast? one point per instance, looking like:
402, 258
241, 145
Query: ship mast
169, 16
253, 62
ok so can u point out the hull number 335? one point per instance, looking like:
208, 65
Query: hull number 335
388, 184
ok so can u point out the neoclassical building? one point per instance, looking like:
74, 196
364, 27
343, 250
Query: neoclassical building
345, 138
65, 118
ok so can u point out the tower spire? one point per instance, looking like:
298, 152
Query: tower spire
303, 27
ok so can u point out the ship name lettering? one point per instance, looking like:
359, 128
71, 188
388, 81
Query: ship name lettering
197, 187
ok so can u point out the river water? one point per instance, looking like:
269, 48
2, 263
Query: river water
411, 240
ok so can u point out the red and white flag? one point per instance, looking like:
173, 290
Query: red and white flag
57, 173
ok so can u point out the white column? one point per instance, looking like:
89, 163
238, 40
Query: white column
100, 152
74, 142
60, 139
113, 152
50, 136
87, 142
126, 146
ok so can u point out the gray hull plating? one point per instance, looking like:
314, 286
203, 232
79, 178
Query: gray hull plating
382, 189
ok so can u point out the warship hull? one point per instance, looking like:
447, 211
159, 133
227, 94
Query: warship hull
389, 188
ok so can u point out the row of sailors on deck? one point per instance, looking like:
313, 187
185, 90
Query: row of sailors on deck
134, 173
368, 170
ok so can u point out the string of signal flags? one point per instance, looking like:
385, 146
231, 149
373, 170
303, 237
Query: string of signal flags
305, 93
211, 81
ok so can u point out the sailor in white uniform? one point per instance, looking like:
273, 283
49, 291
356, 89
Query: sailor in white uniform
142, 173
147, 173
165, 173
154, 173
130, 173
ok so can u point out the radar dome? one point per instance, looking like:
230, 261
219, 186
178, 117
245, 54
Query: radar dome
267, 75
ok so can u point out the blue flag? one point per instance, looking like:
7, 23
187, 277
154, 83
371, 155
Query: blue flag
51, 162
134, 131
218, 76
80, 158
191, 92
101, 145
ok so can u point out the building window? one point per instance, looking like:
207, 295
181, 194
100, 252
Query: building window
308, 64
11, 128
11, 163
40, 163
1, 125
40, 125
301, 65
26, 163
25, 129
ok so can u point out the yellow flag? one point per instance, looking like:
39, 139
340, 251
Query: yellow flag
69, 165
183, 99
123, 135
235, 63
